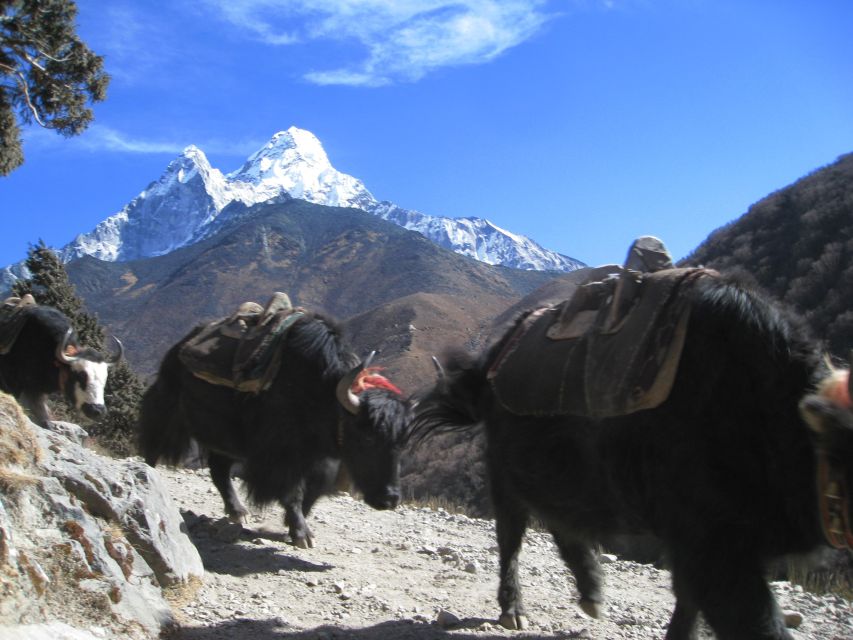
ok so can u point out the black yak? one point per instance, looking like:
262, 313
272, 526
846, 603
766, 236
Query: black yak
321, 406
40, 356
742, 462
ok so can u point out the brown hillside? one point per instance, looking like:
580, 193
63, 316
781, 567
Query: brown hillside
409, 331
341, 262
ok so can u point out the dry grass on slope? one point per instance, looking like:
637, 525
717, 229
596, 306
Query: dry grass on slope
19, 450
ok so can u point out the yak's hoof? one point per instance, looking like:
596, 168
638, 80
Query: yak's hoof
304, 542
514, 622
240, 517
590, 608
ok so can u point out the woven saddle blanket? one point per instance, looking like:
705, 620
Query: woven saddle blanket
610, 350
242, 351
13, 315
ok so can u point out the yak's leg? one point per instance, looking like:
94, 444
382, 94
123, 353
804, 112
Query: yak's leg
754, 613
36, 404
511, 522
220, 473
582, 560
682, 625
343, 481
294, 519
732, 594
320, 481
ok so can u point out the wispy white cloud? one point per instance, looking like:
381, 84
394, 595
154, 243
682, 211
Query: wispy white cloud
100, 138
106, 139
400, 40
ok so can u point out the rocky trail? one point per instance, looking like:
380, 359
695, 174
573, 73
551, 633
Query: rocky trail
410, 573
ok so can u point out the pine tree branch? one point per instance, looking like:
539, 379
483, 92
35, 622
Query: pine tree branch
33, 62
51, 77
25, 90
47, 73
41, 51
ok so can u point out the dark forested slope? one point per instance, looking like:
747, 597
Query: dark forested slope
798, 243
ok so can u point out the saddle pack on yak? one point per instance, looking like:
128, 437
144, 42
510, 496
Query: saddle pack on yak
611, 349
13, 316
241, 351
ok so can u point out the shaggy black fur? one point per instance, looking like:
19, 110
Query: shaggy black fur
284, 436
723, 472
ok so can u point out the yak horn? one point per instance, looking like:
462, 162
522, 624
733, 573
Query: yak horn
116, 357
439, 370
60, 349
441, 377
346, 397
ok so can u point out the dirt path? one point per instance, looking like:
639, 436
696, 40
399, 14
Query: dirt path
411, 573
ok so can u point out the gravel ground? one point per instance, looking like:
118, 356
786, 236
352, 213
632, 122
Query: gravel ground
411, 573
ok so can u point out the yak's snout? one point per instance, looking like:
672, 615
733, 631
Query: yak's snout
93, 411
390, 499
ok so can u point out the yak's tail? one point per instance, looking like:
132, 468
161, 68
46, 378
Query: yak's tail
162, 434
456, 403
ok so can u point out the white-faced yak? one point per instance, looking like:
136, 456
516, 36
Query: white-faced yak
320, 406
40, 356
736, 451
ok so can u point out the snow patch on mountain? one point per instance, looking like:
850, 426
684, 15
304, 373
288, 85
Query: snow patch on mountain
479, 239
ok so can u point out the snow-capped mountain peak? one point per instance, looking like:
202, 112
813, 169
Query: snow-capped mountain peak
284, 150
295, 162
183, 169
184, 205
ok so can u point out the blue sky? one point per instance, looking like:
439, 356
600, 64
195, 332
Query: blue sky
579, 123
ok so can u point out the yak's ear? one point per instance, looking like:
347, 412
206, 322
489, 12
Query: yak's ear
817, 412
850, 377
830, 405
832, 423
